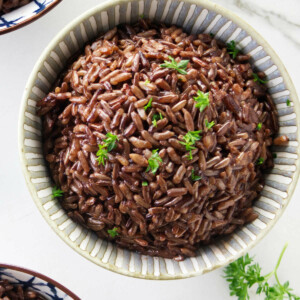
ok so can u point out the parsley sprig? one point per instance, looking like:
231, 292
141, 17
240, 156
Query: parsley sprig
242, 274
232, 49
56, 192
288, 102
149, 104
195, 177
260, 161
258, 79
259, 125
108, 145
202, 100
209, 125
153, 161
155, 118
113, 232
189, 140
178, 66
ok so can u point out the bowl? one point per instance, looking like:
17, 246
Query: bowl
195, 16
37, 282
26, 14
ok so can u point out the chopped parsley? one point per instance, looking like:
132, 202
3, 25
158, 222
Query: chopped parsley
232, 49
149, 104
195, 177
274, 155
259, 125
56, 192
288, 102
113, 232
144, 183
189, 140
209, 125
202, 100
155, 118
258, 79
108, 145
260, 161
154, 161
147, 81
178, 66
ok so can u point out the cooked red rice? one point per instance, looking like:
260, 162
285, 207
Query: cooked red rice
9, 291
105, 90
8, 5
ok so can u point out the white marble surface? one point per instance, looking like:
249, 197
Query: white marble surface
26, 239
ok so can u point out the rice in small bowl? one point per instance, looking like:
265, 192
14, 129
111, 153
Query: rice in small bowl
201, 19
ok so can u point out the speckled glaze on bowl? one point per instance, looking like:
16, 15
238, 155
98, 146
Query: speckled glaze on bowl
37, 282
194, 16
26, 14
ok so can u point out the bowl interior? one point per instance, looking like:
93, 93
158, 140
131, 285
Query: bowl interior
195, 17
34, 281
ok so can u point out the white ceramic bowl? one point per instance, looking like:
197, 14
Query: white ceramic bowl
37, 282
195, 16
26, 14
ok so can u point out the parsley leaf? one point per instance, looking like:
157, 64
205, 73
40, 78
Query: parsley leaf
108, 145
147, 81
155, 118
274, 155
209, 125
154, 161
259, 125
110, 141
178, 66
144, 183
288, 102
102, 154
56, 192
149, 104
202, 100
195, 177
142, 16
232, 49
113, 232
189, 140
260, 161
258, 79
242, 274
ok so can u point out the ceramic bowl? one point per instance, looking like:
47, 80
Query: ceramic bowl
26, 14
194, 16
42, 284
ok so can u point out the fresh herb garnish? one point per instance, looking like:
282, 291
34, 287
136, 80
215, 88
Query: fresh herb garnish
260, 161
288, 102
56, 192
211, 35
110, 141
102, 154
189, 140
209, 125
274, 155
142, 16
258, 79
108, 145
259, 125
202, 100
149, 104
195, 177
144, 183
154, 161
178, 66
232, 49
147, 81
113, 232
155, 118
243, 273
